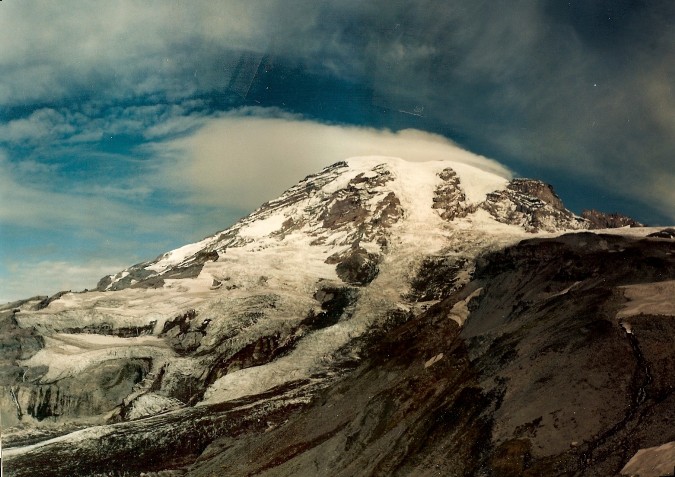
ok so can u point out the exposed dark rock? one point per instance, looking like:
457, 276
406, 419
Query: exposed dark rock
45, 303
602, 220
538, 189
261, 351
545, 325
532, 205
109, 330
347, 210
355, 209
182, 322
436, 278
357, 266
653, 337
449, 196
667, 233
304, 188
18, 304
15, 344
138, 276
183, 333
388, 211
336, 304
134, 275
104, 283
204, 256
152, 282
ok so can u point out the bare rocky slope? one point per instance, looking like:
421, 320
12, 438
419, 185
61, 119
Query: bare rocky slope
379, 318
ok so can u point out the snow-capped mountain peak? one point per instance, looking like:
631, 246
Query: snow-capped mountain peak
356, 203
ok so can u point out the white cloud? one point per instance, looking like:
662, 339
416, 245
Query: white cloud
26, 278
51, 50
244, 161
41, 125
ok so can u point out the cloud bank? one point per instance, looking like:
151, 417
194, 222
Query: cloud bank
244, 161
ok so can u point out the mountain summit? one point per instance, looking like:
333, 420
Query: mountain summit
381, 317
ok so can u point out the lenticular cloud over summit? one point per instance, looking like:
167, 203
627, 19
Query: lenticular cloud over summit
244, 161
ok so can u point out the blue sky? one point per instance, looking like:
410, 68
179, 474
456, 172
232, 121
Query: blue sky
129, 128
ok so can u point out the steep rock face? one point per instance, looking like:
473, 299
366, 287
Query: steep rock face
532, 205
357, 266
16, 344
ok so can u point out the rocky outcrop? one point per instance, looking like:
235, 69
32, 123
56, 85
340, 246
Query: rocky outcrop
449, 197
139, 276
537, 189
436, 278
45, 303
183, 333
532, 205
108, 329
363, 207
667, 233
15, 344
336, 304
356, 266
602, 220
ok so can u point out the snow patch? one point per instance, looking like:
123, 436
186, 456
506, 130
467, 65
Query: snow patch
652, 462
460, 310
434, 360
174, 257
649, 298
263, 227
